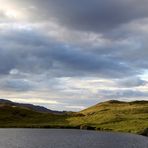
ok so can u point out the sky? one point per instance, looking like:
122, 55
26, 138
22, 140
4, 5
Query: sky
71, 54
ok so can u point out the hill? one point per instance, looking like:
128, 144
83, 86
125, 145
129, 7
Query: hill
109, 116
30, 106
115, 116
15, 116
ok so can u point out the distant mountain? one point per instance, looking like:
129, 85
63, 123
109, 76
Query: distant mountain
30, 106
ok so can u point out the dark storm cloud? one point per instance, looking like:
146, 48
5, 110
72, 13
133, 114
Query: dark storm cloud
94, 15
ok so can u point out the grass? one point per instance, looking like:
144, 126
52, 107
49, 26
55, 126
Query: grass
115, 116
109, 116
23, 117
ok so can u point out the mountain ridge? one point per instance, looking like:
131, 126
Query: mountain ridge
30, 106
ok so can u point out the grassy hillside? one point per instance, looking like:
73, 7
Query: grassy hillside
12, 116
111, 116
115, 116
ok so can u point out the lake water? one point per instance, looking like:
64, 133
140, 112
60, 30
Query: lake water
61, 138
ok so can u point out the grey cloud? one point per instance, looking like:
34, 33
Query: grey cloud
131, 82
33, 52
18, 49
89, 15
123, 94
18, 85
90, 63
120, 53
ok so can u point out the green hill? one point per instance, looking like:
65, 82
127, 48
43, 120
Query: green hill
13, 116
110, 116
115, 116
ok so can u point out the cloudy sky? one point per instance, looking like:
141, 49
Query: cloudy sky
71, 54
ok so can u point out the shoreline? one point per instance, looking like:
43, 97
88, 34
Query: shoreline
141, 133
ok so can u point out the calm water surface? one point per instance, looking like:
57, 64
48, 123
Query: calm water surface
59, 138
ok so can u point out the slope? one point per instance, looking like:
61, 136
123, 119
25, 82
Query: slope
115, 116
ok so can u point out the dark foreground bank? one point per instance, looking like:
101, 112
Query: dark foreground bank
63, 138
